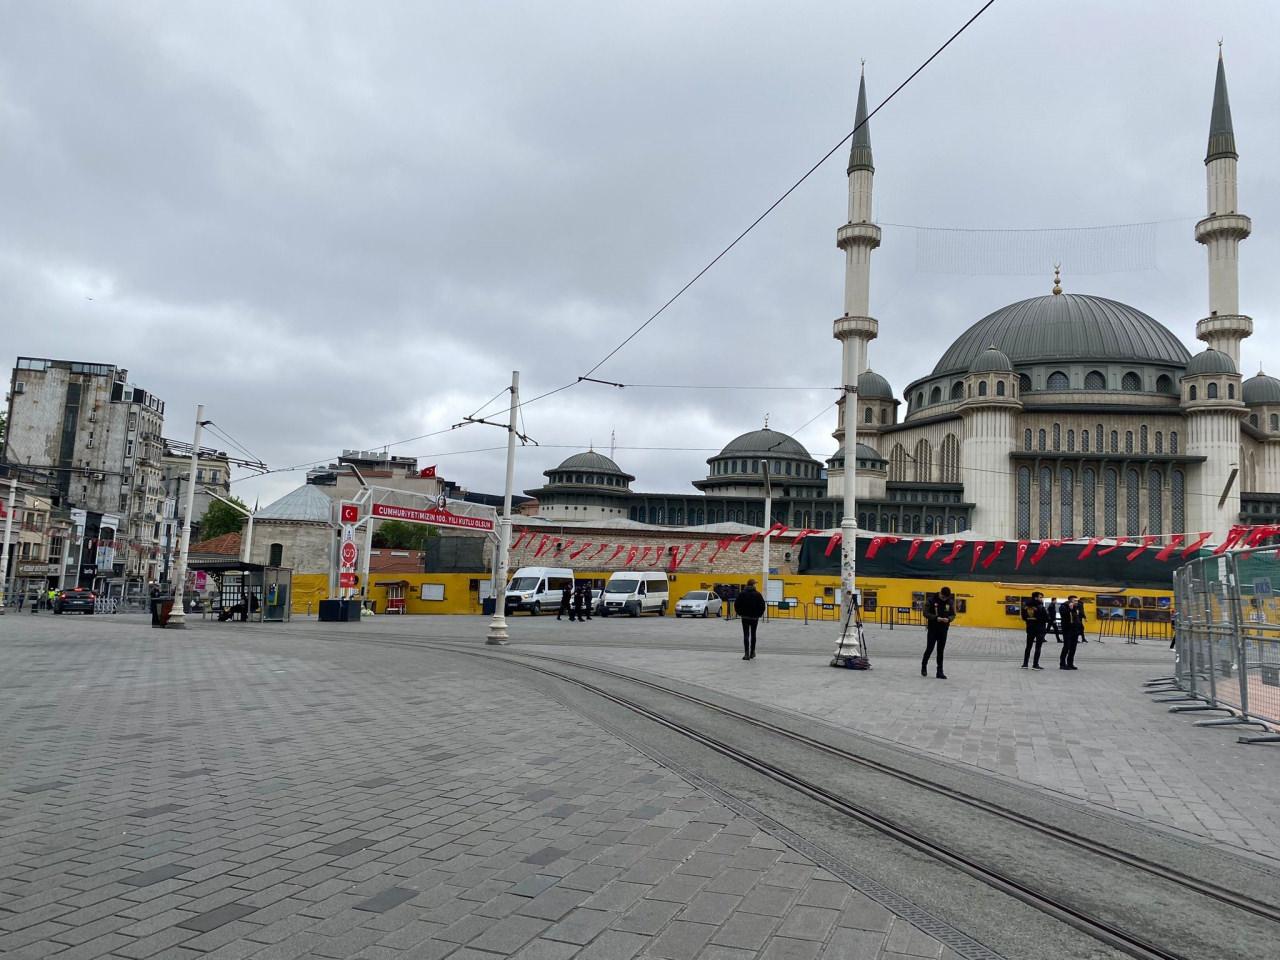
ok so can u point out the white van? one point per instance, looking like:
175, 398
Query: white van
538, 588
633, 593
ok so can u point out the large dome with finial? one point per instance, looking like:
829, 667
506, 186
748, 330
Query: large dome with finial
1261, 389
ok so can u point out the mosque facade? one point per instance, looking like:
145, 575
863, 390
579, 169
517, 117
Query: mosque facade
1061, 416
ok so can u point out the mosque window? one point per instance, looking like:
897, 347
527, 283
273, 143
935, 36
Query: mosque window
1071, 441
788, 468
1159, 441
919, 399
1084, 440
1024, 502
957, 391
1253, 419
1212, 391
982, 388
1131, 382
735, 465
1128, 441
1178, 501
1094, 380
884, 415
1115, 441
898, 462
1088, 491
1110, 483
1275, 421
1191, 392
1142, 438
950, 459
1058, 381
1173, 441
868, 415
1057, 436
1042, 440
928, 524
1026, 439
1155, 502
1132, 513
924, 462
1231, 391
1046, 502
275, 557
1024, 382
999, 388
1067, 503
1164, 383
935, 395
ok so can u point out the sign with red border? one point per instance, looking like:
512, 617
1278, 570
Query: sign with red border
437, 517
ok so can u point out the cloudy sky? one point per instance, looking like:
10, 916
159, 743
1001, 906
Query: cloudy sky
341, 225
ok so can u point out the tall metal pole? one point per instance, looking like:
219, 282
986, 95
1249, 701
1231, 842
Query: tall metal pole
498, 625
8, 532
246, 548
768, 525
849, 643
177, 618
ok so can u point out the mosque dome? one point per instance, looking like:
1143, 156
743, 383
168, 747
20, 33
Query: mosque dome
764, 443
872, 386
991, 360
1210, 361
590, 460
1261, 389
1067, 325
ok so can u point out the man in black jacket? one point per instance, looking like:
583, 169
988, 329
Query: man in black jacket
1072, 631
1036, 618
939, 611
566, 599
751, 607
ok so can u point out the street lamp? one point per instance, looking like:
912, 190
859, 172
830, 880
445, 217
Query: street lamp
498, 625
177, 617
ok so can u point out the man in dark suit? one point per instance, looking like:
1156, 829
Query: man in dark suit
566, 598
1072, 631
1036, 618
939, 611
751, 607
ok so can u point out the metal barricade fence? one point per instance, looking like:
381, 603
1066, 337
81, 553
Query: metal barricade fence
1227, 620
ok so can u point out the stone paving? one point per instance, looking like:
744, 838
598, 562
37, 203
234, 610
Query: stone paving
227, 792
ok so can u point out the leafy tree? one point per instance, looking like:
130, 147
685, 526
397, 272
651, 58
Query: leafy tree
220, 519
402, 535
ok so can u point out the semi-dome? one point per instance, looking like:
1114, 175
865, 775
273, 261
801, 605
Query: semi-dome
1066, 325
991, 360
590, 460
872, 386
1210, 361
764, 443
1261, 389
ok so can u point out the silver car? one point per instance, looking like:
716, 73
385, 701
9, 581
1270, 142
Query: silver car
699, 603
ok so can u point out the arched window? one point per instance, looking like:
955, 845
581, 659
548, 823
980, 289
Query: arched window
950, 459
919, 399
1155, 502
1110, 484
884, 414
1132, 511
1026, 439
898, 462
868, 415
1131, 382
1058, 381
1191, 392
1071, 441
1142, 438
1275, 421
1173, 441
1024, 502
924, 462
1177, 502
1042, 440
935, 395
1164, 383
1115, 441
1212, 391
1253, 419
928, 524
1128, 441
1088, 492
275, 556
1067, 503
1057, 436
957, 390
1159, 441
1094, 380
1231, 391
999, 388
1024, 382
1046, 502
1084, 441
982, 388
951, 524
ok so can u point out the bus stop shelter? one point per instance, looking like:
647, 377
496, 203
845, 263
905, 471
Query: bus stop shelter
237, 589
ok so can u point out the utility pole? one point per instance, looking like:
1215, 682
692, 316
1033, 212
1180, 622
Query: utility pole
768, 525
498, 625
8, 532
178, 618
849, 643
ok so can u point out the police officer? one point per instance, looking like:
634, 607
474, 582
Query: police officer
1036, 618
939, 612
566, 598
155, 605
1072, 631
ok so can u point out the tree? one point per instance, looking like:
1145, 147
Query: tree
402, 535
220, 519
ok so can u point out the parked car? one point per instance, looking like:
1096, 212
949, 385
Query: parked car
77, 598
699, 603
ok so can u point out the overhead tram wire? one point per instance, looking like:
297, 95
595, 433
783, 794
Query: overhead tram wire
768, 210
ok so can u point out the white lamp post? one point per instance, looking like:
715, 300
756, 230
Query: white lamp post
177, 618
498, 625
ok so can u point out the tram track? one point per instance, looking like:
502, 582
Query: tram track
1017, 884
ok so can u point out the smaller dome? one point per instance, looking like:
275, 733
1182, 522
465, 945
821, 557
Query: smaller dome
1261, 389
865, 453
764, 442
991, 360
595, 462
873, 386
1209, 361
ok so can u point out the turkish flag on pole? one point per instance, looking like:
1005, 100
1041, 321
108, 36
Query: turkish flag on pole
428, 473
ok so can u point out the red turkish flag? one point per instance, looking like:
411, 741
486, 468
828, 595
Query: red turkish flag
542, 545
933, 548
955, 551
986, 564
836, 541
1023, 547
1120, 541
1089, 547
428, 473
913, 549
1233, 537
978, 547
1147, 541
874, 546
1168, 550
1200, 541
631, 555
750, 540
1042, 550
574, 555
618, 550
698, 552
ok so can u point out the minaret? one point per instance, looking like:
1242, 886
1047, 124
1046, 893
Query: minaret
1222, 230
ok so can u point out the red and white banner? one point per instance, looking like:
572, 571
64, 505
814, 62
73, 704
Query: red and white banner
436, 517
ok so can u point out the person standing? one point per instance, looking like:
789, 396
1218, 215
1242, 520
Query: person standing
751, 607
1036, 618
1055, 611
566, 597
939, 611
586, 600
1072, 630
579, 608
154, 593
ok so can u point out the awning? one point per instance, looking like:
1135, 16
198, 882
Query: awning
391, 583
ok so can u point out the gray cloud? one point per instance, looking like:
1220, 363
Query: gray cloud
338, 226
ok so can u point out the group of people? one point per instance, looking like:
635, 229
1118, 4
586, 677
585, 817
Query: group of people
1066, 619
575, 600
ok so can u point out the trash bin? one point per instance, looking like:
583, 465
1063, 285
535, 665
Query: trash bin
488, 605
166, 608
339, 611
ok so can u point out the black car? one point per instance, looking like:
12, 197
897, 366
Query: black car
77, 598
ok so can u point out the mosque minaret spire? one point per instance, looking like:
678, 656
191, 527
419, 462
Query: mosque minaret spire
1222, 230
